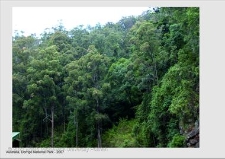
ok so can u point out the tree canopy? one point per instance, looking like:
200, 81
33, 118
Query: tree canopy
134, 83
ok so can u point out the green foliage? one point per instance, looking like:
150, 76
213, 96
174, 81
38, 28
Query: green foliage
177, 141
134, 83
45, 143
121, 135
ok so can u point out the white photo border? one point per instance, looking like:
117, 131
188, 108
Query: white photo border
212, 118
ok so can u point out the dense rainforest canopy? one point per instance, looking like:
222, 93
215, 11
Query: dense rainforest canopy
134, 83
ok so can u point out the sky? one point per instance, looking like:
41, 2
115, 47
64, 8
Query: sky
36, 19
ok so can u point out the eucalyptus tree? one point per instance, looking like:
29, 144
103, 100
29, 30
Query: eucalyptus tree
85, 83
43, 75
23, 50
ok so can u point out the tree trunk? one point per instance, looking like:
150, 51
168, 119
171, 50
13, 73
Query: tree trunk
156, 73
76, 130
64, 120
155, 68
52, 137
99, 126
99, 136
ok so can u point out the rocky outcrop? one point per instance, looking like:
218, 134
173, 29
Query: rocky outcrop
192, 137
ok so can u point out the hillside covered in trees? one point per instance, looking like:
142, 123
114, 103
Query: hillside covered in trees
134, 83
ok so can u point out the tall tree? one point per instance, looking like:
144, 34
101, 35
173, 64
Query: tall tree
43, 75
85, 83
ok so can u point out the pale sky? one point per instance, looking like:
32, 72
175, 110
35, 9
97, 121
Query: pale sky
37, 19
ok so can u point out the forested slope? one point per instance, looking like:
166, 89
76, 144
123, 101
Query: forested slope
134, 83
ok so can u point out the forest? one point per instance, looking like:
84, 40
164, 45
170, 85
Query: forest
134, 83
